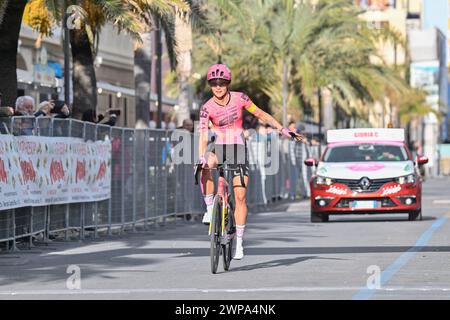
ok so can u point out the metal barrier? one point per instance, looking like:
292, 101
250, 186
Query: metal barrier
147, 185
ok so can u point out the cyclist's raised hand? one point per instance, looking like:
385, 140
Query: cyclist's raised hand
291, 134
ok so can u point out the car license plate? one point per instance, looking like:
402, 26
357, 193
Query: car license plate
364, 204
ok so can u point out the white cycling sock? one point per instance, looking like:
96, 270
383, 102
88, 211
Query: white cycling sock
209, 201
239, 253
240, 228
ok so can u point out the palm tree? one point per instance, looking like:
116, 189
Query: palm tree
413, 106
183, 36
94, 15
154, 14
235, 41
293, 50
11, 12
196, 19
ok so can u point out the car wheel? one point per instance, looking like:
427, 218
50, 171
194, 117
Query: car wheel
413, 215
319, 217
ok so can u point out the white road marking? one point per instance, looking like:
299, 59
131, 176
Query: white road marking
441, 201
206, 290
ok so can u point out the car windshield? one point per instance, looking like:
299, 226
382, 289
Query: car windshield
365, 152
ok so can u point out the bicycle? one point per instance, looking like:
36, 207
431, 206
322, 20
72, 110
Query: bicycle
222, 228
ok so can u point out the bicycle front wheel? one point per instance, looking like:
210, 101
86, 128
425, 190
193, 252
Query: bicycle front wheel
227, 249
216, 223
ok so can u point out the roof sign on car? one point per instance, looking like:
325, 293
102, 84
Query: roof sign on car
365, 134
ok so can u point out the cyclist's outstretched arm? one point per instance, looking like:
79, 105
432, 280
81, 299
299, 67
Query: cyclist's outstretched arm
264, 117
267, 118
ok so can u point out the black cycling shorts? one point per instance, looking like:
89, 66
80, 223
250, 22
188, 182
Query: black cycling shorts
233, 155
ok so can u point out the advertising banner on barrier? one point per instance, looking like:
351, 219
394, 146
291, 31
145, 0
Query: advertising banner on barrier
37, 171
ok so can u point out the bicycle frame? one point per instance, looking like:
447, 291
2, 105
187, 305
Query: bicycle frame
222, 191
225, 198
222, 187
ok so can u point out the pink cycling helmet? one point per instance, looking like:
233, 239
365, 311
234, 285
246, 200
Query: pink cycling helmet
219, 71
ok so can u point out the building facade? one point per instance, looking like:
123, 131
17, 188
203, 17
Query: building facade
114, 63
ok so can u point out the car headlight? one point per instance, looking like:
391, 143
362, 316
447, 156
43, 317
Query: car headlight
324, 180
410, 178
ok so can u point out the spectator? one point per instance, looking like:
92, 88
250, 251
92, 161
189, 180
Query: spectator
171, 125
246, 133
45, 108
112, 120
60, 110
294, 167
25, 106
5, 112
152, 124
261, 133
100, 117
91, 116
188, 125
269, 132
260, 150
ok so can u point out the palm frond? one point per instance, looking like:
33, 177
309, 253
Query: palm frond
168, 26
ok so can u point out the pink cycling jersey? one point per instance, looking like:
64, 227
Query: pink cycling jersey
226, 120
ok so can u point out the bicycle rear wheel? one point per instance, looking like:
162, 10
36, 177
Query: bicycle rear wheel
216, 223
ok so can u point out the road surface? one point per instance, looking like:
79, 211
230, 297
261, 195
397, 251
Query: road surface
287, 257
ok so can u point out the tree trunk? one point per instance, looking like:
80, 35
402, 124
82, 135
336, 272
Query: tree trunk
183, 102
10, 23
183, 36
142, 80
284, 92
83, 74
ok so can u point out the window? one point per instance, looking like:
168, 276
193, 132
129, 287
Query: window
365, 152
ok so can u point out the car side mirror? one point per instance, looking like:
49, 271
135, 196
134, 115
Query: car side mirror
310, 162
421, 160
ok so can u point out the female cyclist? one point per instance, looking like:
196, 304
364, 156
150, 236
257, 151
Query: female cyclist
225, 110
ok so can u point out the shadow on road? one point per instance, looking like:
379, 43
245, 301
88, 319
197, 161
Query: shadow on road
278, 263
337, 219
53, 267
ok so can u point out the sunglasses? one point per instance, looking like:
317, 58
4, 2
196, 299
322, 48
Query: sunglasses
220, 83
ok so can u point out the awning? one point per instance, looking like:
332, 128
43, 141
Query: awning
110, 87
167, 102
